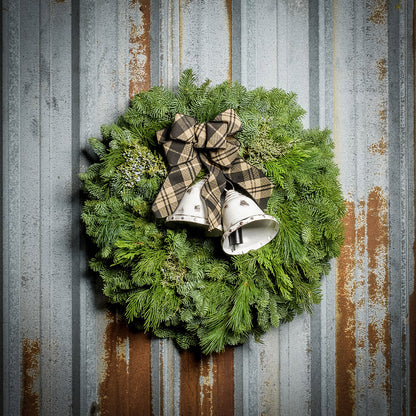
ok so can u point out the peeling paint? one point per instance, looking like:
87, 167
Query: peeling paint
361, 277
378, 290
382, 114
378, 11
139, 46
382, 70
126, 385
30, 375
360, 232
345, 342
379, 148
207, 384
363, 288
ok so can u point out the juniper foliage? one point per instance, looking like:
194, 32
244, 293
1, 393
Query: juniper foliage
179, 285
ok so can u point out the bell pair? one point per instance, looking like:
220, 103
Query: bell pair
245, 226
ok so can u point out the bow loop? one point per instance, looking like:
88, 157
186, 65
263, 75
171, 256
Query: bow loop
216, 135
231, 118
183, 128
189, 146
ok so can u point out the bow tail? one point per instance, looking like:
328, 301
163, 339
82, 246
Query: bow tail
211, 193
252, 180
177, 182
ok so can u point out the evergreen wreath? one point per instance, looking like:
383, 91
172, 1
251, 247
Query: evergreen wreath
175, 283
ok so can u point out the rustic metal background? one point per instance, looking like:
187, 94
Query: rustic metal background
68, 67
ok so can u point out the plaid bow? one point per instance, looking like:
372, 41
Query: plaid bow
189, 145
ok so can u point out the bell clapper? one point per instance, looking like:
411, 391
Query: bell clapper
239, 213
236, 238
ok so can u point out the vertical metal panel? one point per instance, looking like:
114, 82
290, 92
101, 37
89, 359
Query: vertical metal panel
38, 205
372, 292
321, 114
115, 63
321, 70
204, 39
322, 336
11, 203
69, 67
103, 94
55, 195
401, 123
272, 56
187, 33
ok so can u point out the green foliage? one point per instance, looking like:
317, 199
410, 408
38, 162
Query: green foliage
180, 285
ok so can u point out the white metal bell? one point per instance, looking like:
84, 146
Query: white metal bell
192, 209
246, 226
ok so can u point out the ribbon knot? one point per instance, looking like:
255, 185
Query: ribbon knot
189, 146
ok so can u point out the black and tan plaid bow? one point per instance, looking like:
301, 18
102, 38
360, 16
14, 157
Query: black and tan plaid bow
189, 145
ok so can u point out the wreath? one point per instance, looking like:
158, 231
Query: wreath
176, 282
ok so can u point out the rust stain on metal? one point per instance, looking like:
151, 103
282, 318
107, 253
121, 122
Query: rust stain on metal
378, 288
139, 46
207, 384
30, 374
189, 389
345, 318
360, 225
223, 398
378, 14
360, 235
229, 4
377, 229
382, 70
382, 114
378, 148
126, 385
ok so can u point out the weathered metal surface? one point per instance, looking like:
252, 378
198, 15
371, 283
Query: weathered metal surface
411, 353
139, 46
362, 316
30, 375
37, 204
374, 138
69, 67
126, 386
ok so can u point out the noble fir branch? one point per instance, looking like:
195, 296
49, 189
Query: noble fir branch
100, 149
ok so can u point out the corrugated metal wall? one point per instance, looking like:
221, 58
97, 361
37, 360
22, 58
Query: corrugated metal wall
68, 67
